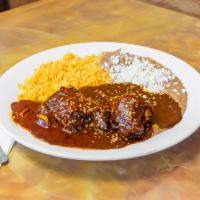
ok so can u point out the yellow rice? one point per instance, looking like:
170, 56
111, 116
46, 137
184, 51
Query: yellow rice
70, 70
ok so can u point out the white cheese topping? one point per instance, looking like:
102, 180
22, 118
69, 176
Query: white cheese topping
127, 68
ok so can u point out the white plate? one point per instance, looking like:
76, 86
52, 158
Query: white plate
20, 71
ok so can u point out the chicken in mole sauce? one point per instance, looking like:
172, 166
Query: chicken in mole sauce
97, 117
71, 110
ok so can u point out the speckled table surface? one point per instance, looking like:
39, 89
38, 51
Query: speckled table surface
171, 174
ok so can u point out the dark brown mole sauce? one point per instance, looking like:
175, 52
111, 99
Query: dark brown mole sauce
167, 113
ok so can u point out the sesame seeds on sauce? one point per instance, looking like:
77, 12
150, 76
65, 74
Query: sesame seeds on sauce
166, 113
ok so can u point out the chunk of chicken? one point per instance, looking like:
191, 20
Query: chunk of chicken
70, 109
130, 116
